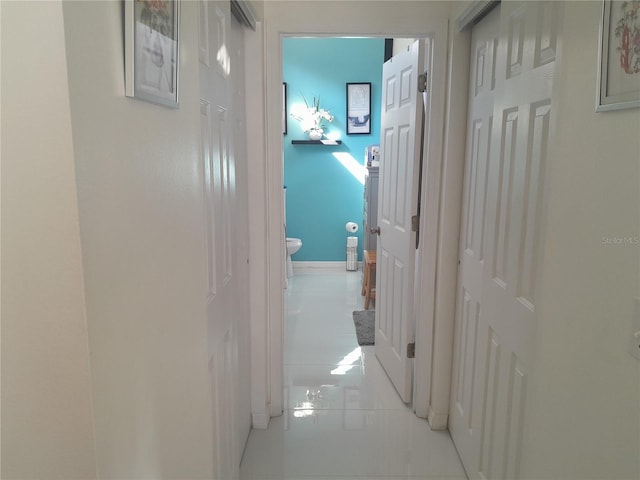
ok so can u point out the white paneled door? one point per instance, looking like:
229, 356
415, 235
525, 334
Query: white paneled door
400, 149
223, 221
512, 66
465, 409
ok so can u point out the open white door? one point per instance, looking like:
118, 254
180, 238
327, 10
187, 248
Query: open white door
400, 149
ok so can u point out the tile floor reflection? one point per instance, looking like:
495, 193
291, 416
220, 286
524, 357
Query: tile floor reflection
342, 419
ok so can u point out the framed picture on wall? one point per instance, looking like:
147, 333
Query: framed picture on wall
284, 108
619, 56
151, 50
358, 108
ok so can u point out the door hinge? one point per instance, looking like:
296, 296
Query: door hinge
411, 350
415, 223
422, 82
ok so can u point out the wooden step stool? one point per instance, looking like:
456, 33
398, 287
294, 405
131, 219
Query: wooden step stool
368, 280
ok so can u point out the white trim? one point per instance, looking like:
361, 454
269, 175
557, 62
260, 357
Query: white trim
429, 247
324, 266
449, 224
437, 421
474, 13
258, 270
418, 20
243, 11
260, 421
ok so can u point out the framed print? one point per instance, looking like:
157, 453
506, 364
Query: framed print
619, 56
358, 108
284, 108
151, 50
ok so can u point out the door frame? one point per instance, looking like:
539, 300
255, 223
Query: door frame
436, 267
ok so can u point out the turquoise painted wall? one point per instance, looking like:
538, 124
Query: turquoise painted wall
322, 194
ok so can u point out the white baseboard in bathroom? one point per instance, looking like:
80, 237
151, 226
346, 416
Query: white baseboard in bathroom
320, 266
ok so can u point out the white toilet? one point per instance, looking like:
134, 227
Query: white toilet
293, 245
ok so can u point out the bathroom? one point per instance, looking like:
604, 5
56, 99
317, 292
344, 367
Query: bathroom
339, 401
324, 183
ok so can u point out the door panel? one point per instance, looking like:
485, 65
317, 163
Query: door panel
471, 337
241, 235
495, 320
400, 149
223, 220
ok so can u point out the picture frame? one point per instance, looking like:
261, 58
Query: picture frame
152, 50
359, 108
619, 65
284, 108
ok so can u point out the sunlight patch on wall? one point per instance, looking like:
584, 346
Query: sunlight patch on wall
354, 167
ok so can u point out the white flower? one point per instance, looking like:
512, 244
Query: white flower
312, 117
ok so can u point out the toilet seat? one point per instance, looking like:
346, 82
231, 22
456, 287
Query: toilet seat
293, 245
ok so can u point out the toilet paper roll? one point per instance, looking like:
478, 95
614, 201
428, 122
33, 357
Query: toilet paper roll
352, 241
351, 227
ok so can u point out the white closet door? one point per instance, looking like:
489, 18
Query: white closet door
464, 415
497, 329
223, 273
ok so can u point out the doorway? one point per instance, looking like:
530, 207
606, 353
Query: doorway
268, 277
324, 181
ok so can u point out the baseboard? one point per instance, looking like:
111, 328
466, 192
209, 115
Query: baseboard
317, 266
259, 421
275, 412
437, 421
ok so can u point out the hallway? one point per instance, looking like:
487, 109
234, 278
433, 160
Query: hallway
343, 418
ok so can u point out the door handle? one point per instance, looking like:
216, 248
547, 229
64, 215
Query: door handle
375, 230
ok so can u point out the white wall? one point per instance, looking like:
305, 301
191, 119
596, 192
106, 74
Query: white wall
140, 199
47, 429
584, 404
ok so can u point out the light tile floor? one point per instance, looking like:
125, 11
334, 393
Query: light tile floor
342, 419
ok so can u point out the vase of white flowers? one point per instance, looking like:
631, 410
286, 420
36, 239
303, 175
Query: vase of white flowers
315, 134
312, 118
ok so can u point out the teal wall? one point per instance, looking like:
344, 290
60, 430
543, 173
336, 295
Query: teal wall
322, 195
